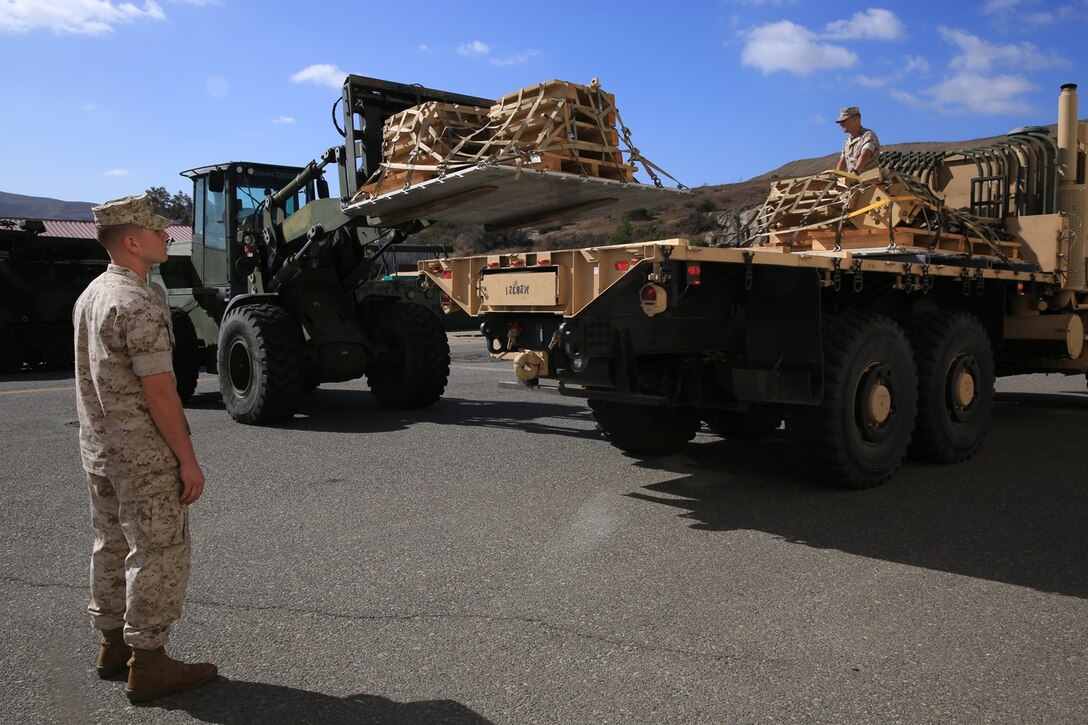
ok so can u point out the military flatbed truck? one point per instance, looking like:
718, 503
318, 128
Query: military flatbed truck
871, 314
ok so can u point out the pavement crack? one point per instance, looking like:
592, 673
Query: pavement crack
634, 647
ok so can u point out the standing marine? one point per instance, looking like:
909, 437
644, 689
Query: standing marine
136, 449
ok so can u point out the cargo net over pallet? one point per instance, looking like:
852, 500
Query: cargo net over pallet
881, 210
553, 126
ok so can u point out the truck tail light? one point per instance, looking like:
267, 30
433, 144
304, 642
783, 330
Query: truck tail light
448, 274
623, 265
653, 298
693, 274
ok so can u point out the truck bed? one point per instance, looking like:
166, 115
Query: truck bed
565, 282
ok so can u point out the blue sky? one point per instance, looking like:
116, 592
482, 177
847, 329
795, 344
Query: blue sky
104, 98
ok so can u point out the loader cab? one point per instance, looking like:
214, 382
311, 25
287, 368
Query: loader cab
227, 203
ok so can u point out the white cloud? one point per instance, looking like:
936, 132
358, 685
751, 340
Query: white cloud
323, 74
474, 48
84, 17
871, 82
283, 119
517, 58
997, 6
88, 107
424, 48
786, 46
116, 172
916, 64
976, 55
984, 95
873, 24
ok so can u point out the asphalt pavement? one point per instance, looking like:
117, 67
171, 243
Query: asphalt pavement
492, 560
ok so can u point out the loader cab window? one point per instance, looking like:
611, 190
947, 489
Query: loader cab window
215, 219
253, 188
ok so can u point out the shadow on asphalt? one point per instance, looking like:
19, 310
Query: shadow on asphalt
356, 411
236, 702
1016, 513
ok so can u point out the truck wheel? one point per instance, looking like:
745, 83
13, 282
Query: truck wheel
857, 436
955, 385
642, 429
754, 423
418, 367
186, 354
260, 364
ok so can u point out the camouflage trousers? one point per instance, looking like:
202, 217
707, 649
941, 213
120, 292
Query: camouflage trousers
140, 558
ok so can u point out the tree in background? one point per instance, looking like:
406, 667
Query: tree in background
178, 207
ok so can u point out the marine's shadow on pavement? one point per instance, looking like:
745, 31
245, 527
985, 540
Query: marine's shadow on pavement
237, 702
1015, 513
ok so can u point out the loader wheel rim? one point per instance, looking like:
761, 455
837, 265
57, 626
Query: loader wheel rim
240, 368
875, 402
962, 387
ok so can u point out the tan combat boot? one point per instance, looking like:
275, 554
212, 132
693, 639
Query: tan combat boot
113, 654
153, 674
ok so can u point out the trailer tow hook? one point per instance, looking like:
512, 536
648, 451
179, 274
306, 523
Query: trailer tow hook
530, 365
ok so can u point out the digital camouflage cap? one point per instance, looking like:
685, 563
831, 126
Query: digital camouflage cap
847, 112
130, 210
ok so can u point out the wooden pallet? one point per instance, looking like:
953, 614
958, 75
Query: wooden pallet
581, 164
904, 237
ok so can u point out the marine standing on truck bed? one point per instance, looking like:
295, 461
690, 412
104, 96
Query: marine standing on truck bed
872, 317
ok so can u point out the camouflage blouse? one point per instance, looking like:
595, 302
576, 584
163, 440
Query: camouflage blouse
122, 333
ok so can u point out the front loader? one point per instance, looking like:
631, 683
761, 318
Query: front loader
280, 290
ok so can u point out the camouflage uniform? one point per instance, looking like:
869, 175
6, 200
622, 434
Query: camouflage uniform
852, 148
140, 559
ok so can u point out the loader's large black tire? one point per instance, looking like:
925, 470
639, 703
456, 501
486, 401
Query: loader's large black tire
955, 385
642, 429
186, 354
755, 423
859, 433
418, 368
260, 364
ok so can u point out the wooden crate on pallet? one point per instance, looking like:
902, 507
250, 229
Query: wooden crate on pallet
421, 142
564, 120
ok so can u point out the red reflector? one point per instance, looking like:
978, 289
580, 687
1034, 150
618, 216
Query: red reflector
517, 262
444, 298
249, 249
448, 274
543, 261
492, 264
623, 266
648, 293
